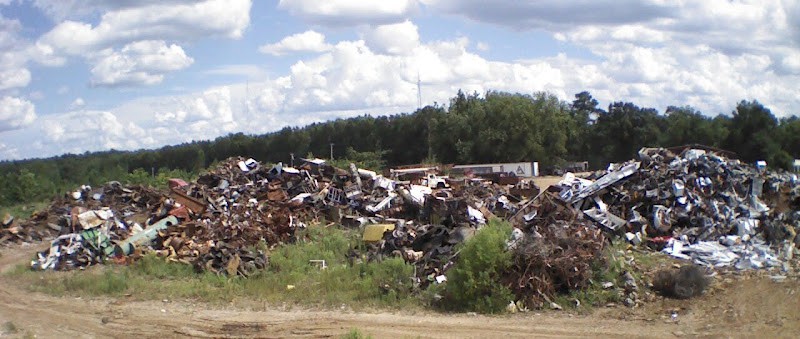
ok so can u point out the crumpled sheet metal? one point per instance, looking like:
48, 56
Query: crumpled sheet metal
697, 195
738, 254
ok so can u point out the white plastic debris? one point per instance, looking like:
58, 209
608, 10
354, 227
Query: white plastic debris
475, 215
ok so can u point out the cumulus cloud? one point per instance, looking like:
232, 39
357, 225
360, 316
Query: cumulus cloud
15, 113
14, 77
366, 75
399, 38
551, 14
355, 76
653, 53
79, 131
151, 21
127, 46
351, 12
8, 152
768, 27
138, 63
659, 53
59, 10
209, 113
13, 73
77, 103
253, 72
308, 41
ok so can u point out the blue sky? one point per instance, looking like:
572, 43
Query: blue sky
78, 75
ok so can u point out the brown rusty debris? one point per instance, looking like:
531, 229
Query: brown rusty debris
695, 204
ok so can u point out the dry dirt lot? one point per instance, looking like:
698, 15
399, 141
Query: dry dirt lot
736, 306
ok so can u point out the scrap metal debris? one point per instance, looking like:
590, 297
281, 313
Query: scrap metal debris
695, 204
217, 222
691, 203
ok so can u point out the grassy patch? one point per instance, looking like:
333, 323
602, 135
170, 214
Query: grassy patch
355, 334
294, 276
22, 211
10, 328
617, 258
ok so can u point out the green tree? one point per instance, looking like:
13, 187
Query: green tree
621, 132
753, 135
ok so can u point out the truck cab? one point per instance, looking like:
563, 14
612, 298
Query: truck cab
433, 181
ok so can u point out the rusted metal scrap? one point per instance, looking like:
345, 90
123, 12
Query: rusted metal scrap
556, 255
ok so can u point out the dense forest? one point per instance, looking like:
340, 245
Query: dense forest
473, 128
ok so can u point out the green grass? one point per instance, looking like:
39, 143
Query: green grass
360, 285
9, 328
355, 334
290, 278
22, 211
617, 259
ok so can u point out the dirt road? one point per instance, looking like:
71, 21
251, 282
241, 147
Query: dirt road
756, 307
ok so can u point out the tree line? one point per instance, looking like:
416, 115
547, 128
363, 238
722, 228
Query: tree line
493, 127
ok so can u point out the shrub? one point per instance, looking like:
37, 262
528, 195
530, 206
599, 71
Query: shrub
474, 282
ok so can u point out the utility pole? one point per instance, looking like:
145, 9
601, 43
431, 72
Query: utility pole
419, 92
331, 151
246, 100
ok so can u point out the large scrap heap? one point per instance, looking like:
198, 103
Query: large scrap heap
690, 203
218, 222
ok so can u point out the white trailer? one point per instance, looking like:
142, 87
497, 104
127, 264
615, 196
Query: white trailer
520, 169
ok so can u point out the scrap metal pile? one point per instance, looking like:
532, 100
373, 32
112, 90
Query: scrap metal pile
219, 222
694, 204
697, 205
555, 253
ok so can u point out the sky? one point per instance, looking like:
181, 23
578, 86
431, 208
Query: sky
80, 75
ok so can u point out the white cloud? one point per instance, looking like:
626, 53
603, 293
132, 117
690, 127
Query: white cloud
59, 10
15, 113
253, 72
207, 113
138, 63
399, 38
151, 21
77, 103
351, 12
769, 27
14, 77
791, 62
659, 53
308, 41
551, 14
8, 152
13, 73
653, 53
127, 46
79, 131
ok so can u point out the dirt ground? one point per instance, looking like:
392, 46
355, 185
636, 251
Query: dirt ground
735, 306
546, 181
